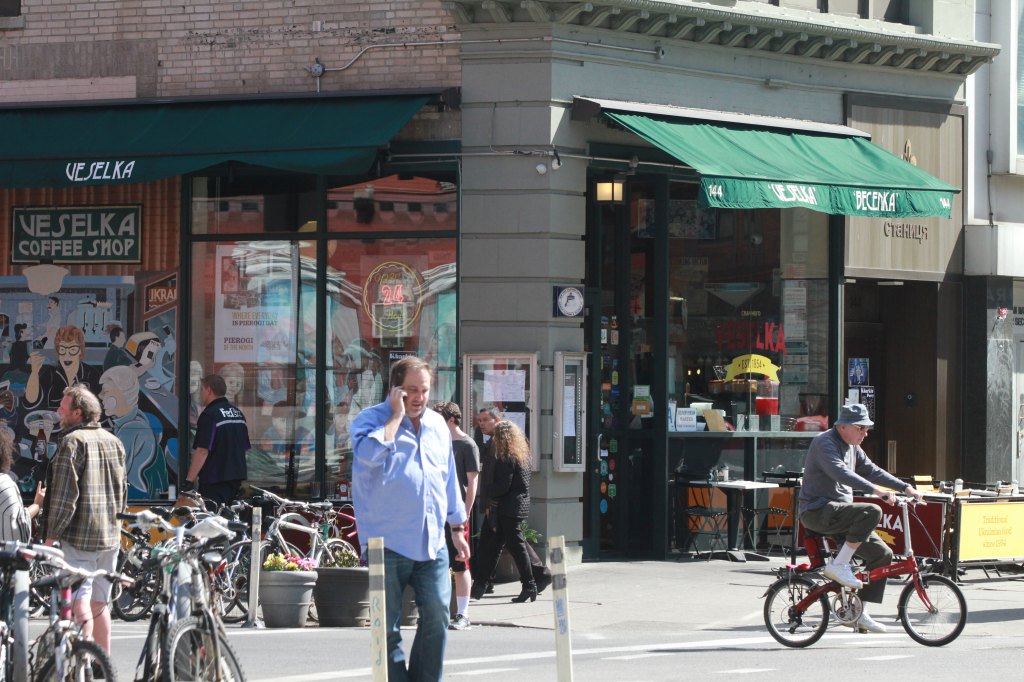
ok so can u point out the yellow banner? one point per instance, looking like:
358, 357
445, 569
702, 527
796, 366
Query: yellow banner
752, 364
991, 530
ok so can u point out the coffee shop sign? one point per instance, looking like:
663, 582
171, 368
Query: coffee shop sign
76, 234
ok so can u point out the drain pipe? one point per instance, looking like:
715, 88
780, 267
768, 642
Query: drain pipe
317, 69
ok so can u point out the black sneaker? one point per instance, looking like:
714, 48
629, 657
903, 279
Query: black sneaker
460, 622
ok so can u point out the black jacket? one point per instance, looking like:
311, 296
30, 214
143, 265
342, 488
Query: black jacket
510, 488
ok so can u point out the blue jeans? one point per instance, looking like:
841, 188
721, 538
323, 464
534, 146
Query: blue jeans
432, 585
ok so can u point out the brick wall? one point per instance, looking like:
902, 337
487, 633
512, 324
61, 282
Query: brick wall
218, 47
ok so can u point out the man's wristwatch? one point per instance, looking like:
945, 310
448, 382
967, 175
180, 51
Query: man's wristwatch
188, 485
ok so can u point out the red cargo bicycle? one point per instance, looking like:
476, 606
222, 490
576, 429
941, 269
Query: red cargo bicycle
797, 607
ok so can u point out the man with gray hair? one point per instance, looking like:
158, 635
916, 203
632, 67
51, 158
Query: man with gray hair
835, 465
119, 393
86, 489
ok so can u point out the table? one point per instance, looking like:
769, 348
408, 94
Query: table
734, 491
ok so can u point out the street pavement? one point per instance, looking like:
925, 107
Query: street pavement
644, 621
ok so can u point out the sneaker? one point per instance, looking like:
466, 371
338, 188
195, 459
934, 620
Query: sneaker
868, 624
842, 574
460, 622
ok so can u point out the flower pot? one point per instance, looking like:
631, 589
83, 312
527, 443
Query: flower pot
285, 597
342, 597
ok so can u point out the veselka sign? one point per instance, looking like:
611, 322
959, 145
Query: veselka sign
99, 170
77, 234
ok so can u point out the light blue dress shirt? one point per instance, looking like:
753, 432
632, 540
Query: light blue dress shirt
404, 490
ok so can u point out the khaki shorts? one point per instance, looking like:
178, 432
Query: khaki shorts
95, 560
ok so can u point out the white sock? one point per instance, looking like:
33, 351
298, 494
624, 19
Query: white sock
462, 605
845, 554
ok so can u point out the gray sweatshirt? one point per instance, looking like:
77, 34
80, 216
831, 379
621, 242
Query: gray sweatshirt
833, 469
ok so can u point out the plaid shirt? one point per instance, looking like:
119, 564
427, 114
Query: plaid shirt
87, 489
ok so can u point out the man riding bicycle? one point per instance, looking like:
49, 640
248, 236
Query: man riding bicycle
835, 465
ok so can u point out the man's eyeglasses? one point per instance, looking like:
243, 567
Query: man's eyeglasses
862, 429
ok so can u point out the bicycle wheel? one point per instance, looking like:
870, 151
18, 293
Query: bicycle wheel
134, 603
88, 661
233, 583
334, 552
787, 627
189, 654
942, 623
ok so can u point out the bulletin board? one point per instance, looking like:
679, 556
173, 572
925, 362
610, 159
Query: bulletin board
509, 382
569, 431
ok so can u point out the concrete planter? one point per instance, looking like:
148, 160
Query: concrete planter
342, 597
285, 597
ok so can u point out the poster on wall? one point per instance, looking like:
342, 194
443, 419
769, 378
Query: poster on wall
253, 309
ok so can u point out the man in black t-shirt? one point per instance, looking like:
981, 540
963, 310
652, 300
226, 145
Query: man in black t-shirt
222, 439
467, 464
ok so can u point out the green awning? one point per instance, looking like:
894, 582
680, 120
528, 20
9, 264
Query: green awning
749, 167
99, 145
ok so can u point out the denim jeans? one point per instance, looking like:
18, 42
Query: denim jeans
432, 585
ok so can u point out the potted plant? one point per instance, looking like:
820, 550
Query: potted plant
342, 592
286, 590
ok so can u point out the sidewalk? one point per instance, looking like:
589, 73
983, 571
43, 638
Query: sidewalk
694, 594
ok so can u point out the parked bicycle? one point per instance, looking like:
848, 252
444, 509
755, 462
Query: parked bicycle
186, 638
324, 548
931, 607
62, 652
16, 561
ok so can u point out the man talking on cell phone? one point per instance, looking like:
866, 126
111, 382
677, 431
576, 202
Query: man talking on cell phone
405, 487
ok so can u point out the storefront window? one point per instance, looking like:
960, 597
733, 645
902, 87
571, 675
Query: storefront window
247, 200
386, 299
392, 204
253, 322
748, 306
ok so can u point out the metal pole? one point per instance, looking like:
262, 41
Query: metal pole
252, 620
378, 617
20, 626
560, 602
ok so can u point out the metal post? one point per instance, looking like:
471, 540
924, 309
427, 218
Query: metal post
378, 617
19, 628
252, 619
560, 602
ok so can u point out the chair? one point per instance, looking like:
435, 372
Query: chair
761, 517
703, 519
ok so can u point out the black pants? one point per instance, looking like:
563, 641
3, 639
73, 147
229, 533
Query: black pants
509, 535
222, 492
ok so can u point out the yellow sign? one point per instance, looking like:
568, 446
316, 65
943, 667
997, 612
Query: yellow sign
751, 364
991, 530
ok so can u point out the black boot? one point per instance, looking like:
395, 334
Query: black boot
529, 593
542, 577
477, 591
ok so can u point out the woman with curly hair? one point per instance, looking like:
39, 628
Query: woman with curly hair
509, 493
15, 518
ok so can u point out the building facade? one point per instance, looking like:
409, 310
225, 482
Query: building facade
296, 195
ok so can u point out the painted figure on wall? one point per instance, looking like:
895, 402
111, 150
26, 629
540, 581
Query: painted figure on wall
117, 356
48, 330
46, 383
144, 463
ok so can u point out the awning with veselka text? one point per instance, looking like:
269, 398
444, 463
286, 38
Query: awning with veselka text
749, 167
126, 143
